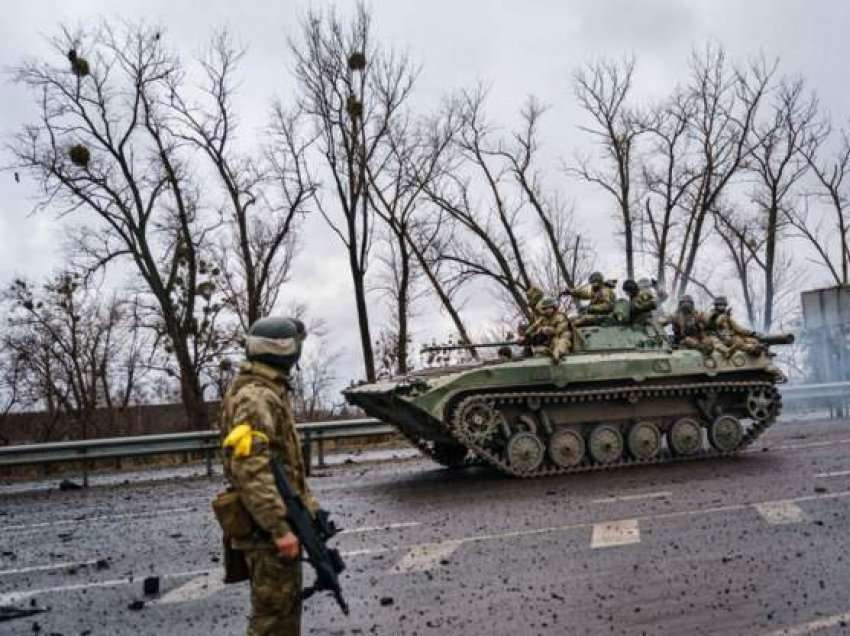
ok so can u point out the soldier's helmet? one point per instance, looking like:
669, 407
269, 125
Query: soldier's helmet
721, 302
644, 283
630, 287
275, 341
686, 301
547, 303
596, 278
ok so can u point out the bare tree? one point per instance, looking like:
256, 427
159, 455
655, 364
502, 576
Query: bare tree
110, 146
602, 89
726, 102
264, 198
778, 162
75, 352
504, 219
352, 90
667, 177
827, 232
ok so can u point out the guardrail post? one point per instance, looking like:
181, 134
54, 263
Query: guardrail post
85, 470
307, 452
321, 449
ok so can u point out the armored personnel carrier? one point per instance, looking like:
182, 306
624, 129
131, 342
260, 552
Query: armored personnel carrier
624, 397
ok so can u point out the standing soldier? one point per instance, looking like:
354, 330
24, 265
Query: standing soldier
601, 298
689, 327
257, 425
551, 327
731, 335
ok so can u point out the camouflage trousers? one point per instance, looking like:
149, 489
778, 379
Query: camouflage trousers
275, 594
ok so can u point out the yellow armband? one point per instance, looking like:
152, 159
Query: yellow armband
241, 438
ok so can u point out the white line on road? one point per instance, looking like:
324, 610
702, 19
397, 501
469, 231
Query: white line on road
195, 589
808, 445
425, 556
98, 519
839, 473
814, 626
48, 568
780, 512
389, 526
614, 533
664, 494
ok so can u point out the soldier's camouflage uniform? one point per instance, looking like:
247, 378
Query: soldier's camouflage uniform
730, 336
555, 329
601, 299
259, 397
689, 331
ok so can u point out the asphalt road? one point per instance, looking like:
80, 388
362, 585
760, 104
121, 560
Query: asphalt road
755, 545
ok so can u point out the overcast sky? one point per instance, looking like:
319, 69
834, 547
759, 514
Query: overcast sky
519, 48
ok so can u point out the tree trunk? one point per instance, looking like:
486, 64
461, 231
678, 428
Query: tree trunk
403, 301
363, 319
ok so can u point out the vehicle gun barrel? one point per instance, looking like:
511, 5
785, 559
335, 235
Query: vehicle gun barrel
777, 339
480, 345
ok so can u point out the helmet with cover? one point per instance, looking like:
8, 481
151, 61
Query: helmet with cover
275, 341
547, 304
596, 278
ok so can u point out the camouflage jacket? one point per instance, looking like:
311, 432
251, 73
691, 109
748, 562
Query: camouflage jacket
601, 299
722, 324
557, 321
259, 397
687, 325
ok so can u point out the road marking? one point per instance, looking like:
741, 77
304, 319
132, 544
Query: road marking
780, 512
425, 556
48, 568
98, 519
390, 526
839, 473
614, 533
808, 445
814, 626
195, 589
664, 494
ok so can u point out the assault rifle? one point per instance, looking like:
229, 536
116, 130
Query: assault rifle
313, 533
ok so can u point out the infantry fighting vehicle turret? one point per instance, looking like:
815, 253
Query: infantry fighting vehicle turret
625, 396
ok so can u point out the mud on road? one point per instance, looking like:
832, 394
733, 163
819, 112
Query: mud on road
753, 545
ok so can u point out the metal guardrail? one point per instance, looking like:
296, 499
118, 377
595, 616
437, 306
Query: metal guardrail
800, 392
196, 441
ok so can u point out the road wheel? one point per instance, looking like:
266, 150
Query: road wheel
685, 437
725, 433
761, 403
644, 440
566, 448
525, 452
606, 444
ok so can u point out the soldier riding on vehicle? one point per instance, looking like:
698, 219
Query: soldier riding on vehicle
601, 297
551, 329
730, 336
689, 327
642, 301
